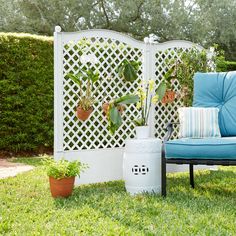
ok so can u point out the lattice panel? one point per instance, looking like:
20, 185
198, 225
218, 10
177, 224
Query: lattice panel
93, 133
168, 112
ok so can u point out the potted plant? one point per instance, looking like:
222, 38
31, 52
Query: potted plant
62, 175
128, 70
89, 76
170, 77
115, 109
147, 97
182, 69
105, 108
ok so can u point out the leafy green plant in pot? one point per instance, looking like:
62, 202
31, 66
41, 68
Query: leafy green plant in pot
62, 175
90, 76
128, 70
114, 110
148, 96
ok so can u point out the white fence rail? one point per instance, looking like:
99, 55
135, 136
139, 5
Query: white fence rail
90, 140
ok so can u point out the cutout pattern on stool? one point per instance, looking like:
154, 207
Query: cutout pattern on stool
140, 170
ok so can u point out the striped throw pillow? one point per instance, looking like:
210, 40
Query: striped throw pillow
198, 122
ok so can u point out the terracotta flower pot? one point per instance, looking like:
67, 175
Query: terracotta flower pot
168, 97
106, 105
61, 187
83, 114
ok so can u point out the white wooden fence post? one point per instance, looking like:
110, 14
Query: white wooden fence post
58, 94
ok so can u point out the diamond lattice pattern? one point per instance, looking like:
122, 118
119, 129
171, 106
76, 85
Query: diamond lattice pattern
163, 114
93, 133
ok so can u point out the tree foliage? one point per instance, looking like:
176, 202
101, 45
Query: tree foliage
201, 21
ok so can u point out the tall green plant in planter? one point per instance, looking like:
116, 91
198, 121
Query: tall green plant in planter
148, 96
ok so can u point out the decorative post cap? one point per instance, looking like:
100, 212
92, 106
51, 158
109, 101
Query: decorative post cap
146, 40
153, 38
57, 28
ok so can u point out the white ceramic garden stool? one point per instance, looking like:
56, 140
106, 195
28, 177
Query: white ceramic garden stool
142, 165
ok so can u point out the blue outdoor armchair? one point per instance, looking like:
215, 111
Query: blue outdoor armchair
210, 90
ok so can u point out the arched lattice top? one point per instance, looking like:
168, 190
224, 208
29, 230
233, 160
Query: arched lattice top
110, 48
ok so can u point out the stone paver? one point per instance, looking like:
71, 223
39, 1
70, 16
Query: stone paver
10, 169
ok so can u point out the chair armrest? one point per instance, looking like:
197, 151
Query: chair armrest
169, 128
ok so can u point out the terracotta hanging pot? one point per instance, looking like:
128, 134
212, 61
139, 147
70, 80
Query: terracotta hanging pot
83, 114
168, 97
61, 187
105, 107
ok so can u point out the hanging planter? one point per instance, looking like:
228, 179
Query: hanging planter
85, 77
83, 114
105, 107
168, 97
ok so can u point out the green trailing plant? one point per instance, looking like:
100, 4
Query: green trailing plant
183, 69
90, 75
63, 168
128, 70
113, 113
148, 96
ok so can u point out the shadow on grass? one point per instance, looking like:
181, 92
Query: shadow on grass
216, 183
214, 190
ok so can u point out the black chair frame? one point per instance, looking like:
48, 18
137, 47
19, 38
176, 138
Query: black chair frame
191, 162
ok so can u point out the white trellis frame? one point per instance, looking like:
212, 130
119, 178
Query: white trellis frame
90, 141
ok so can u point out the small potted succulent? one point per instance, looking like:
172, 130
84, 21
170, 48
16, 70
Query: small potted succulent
89, 76
147, 97
62, 175
128, 70
115, 109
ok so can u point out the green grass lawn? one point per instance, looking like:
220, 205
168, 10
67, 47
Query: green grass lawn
106, 209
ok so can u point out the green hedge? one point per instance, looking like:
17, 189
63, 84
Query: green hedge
26, 92
226, 66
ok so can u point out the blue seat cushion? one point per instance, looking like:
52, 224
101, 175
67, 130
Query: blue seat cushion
218, 90
207, 148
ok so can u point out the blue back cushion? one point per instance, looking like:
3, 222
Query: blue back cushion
218, 90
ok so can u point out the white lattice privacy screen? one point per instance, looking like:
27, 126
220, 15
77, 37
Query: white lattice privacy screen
91, 138
93, 133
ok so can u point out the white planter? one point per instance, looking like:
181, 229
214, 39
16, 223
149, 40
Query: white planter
142, 132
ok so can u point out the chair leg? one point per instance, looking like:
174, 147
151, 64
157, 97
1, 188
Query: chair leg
163, 174
191, 175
